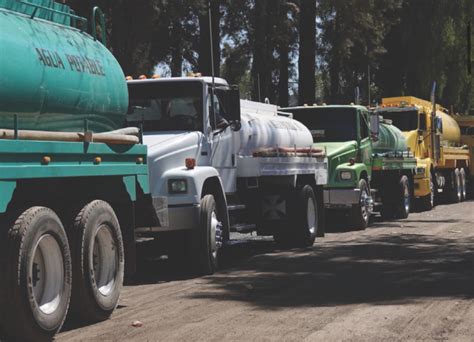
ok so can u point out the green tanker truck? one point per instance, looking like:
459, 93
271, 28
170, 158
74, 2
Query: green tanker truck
70, 175
370, 167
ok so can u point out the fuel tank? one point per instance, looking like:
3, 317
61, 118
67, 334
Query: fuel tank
54, 76
390, 139
263, 128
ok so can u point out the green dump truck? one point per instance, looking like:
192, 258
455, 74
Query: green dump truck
69, 173
370, 167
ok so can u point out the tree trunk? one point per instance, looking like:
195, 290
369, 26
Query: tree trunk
205, 66
283, 97
307, 58
176, 49
260, 75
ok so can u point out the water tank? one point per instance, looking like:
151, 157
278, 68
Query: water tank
391, 139
451, 131
53, 75
263, 128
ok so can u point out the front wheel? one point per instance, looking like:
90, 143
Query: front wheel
98, 262
402, 207
427, 203
361, 212
207, 239
37, 277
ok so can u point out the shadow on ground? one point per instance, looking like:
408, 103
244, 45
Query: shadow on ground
385, 268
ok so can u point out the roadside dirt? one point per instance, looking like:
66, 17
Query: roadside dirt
400, 280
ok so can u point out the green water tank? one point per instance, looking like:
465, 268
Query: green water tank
391, 139
53, 75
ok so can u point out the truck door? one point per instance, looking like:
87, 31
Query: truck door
365, 142
224, 144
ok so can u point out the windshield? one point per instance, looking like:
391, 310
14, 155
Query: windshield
166, 106
404, 120
328, 124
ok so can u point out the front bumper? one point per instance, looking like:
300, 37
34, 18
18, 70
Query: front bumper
341, 198
172, 217
422, 187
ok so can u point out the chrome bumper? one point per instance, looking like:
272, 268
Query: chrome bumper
341, 198
173, 218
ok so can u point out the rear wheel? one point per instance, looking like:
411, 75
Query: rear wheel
361, 212
454, 190
98, 262
306, 217
37, 277
462, 176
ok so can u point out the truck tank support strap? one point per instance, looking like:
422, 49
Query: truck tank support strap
6, 193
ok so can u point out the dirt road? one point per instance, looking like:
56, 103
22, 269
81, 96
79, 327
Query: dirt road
401, 280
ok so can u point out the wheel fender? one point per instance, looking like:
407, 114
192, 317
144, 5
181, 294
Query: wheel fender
356, 169
195, 179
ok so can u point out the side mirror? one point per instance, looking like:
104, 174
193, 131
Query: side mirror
439, 124
374, 126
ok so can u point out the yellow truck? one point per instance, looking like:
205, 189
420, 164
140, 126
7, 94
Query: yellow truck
434, 137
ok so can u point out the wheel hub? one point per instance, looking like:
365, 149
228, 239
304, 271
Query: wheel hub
47, 274
105, 260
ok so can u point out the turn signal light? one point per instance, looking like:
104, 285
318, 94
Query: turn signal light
190, 163
352, 161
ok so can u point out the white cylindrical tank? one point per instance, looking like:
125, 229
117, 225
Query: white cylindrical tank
263, 128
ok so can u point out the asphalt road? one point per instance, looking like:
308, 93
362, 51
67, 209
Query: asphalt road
411, 279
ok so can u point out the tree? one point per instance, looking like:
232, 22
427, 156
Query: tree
307, 57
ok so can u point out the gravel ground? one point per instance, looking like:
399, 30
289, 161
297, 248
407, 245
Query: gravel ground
400, 280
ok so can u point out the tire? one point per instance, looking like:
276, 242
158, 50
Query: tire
454, 190
306, 217
462, 177
427, 203
98, 262
403, 205
361, 212
207, 239
37, 276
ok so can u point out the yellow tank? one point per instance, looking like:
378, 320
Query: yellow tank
451, 131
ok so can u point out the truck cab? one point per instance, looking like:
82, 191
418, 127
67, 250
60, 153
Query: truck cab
344, 133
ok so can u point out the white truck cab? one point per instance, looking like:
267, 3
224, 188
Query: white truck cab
218, 164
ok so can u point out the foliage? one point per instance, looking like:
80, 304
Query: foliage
272, 49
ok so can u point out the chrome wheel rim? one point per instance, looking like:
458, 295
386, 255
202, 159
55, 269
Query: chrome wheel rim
364, 197
47, 274
311, 216
105, 260
214, 228
406, 199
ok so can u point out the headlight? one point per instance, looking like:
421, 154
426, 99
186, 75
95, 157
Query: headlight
420, 170
177, 186
346, 175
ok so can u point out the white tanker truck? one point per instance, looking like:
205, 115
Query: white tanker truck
219, 165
